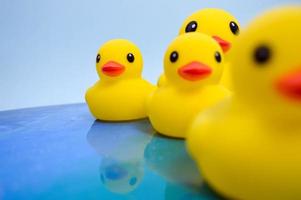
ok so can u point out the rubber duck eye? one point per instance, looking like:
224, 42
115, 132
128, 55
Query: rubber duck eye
97, 58
191, 26
174, 56
262, 54
130, 57
218, 57
234, 28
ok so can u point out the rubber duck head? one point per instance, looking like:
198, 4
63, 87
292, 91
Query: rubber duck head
217, 23
267, 60
193, 60
119, 59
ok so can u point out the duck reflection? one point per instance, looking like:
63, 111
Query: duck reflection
120, 146
168, 158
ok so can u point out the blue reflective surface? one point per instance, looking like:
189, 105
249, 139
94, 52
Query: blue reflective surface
61, 152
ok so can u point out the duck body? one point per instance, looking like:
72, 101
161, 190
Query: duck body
172, 109
161, 81
120, 94
250, 148
193, 64
122, 100
243, 156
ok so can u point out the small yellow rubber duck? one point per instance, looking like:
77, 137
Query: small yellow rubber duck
217, 23
193, 65
121, 93
251, 148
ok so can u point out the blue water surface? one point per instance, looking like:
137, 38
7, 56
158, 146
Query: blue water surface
61, 152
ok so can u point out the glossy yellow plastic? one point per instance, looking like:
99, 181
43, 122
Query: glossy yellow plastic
215, 23
250, 148
191, 87
121, 93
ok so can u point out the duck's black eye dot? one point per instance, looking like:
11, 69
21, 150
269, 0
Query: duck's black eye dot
234, 28
97, 58
130, 57
191, 26
174, 56
262, 54
218, 57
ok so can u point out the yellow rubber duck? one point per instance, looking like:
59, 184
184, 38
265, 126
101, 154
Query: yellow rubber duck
121, 93
251, 148
193, 64
217, 23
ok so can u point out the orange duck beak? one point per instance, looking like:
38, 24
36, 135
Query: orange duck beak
112, 68
194, 71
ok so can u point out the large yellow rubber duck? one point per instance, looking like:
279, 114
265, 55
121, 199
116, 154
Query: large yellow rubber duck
217, 23
121, 93
251, 148
193, 64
